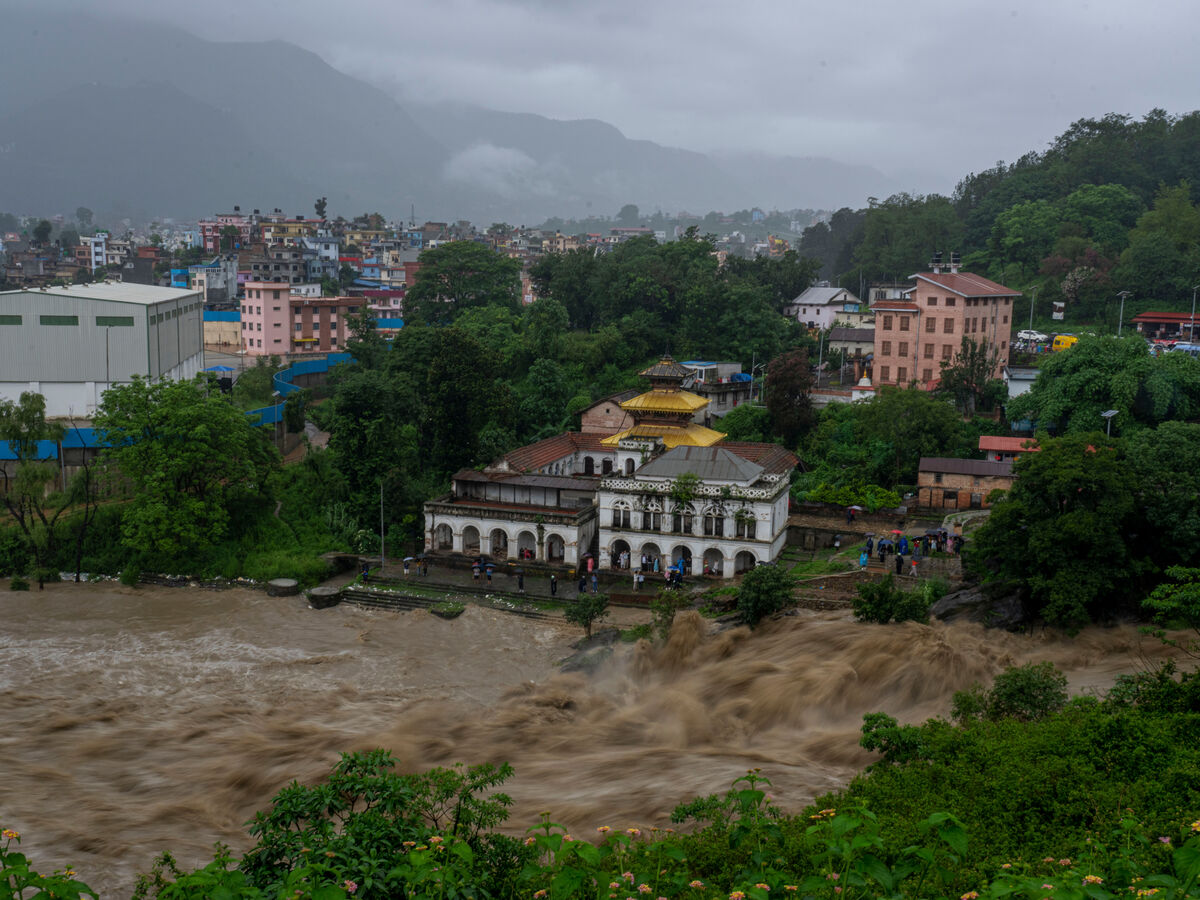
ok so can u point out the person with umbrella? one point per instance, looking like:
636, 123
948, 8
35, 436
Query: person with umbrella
870, 542
407, 560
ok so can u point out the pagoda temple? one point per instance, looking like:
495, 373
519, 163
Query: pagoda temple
664, 413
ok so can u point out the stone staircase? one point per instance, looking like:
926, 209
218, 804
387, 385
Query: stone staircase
397, 601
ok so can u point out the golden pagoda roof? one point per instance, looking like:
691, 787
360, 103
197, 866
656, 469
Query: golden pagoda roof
691, 435
665, 401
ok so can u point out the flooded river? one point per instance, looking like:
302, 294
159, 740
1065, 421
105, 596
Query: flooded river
138, 720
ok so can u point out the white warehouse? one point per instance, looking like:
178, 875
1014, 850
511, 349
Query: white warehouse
69, 344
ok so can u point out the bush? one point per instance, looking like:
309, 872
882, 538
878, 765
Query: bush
130, 575
764, 590
18, 584
1028, 692
883, 601
448, 609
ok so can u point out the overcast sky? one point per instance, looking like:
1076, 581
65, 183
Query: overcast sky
924, 91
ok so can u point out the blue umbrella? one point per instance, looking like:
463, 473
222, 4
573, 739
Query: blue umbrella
219, 369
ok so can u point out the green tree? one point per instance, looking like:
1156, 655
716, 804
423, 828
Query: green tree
460, 275
321, 204
190, 458
629, 216
1098, 374
764, 591
41, 232
1175, 604
970, 378
1062, 531
24, 489
1025, 233
746, 423
545, 321
83, 216
586, 611
229, 237
789, 384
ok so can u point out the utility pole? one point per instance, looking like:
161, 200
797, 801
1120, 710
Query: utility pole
1192, 325
1032, 302
382, 545
1121, 314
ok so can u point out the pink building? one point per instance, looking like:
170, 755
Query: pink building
277, 322
914, 335
266, 319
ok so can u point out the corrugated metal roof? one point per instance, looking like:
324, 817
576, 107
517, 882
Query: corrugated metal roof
851, 334
555, 482
774, 459
995, 443
707, 463
45, 450
819, 296
117, 292
967, 284
980, 467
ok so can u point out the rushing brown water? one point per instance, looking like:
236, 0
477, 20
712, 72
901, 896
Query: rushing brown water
150, 719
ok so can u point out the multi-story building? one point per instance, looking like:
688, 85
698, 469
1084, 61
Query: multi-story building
915, 334
280, 263
660, 488
247, 227
276, 321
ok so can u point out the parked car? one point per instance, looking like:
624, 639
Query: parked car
1035, 337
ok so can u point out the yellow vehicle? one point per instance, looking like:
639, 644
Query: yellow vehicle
1063, 341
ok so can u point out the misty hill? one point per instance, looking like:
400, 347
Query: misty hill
148, 120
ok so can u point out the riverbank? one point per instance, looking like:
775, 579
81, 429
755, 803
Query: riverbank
144, 719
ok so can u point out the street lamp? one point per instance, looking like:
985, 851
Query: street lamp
1192, 324
1121, 315
1032, 301
1107, 416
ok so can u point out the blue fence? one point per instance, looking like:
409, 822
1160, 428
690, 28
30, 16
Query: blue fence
222, 315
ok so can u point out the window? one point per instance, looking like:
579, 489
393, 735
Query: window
931, 301
275, 309
904, 323
937, 477
59, 320
714, 523
901, 375
949, 301
620, 515
1005, 322
887, 348
114, 321
10, 320
947, 326
947, 350
651, 520
745, 527
259, 328
904, 348
927, 374
681, 521
929, 351
297, 326
887, 322
1004, 345
931, 324
883, 373
278, 341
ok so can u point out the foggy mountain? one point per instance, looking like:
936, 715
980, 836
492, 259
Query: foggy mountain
148, 120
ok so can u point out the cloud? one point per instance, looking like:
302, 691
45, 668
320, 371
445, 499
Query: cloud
506, 171
934, 85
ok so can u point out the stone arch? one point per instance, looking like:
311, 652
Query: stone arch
470, 537
682, 553
606, 466
683, 518
744, 561
622, 516
499, 539
652, 552
714, 562
618, 547
629, 465
526, 541
443, 537
556, 548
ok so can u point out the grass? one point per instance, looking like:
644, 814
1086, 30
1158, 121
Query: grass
637, 633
